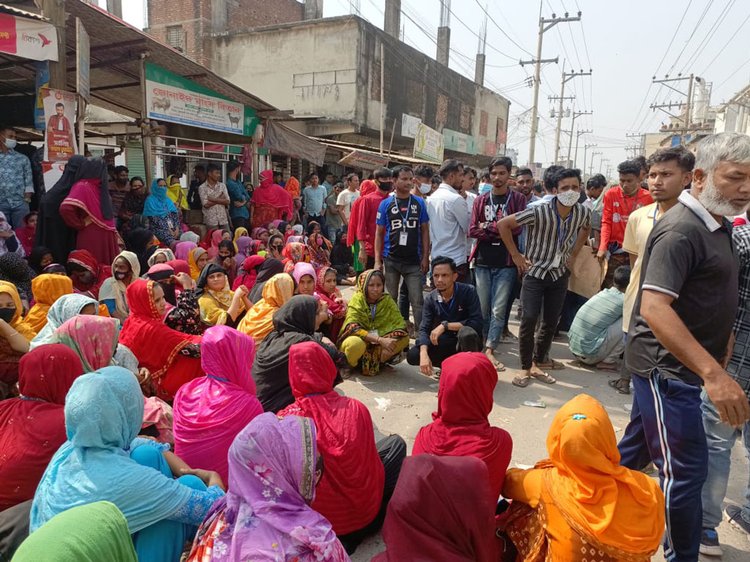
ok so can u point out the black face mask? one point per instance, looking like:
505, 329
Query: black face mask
7, 314
120, 275
386, 185
169, 293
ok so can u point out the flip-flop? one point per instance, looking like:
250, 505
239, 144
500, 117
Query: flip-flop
499, 367
552, 365
620, 385
607, 367
522, 382
546, 378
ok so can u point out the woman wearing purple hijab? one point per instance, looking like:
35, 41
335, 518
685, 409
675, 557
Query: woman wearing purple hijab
243, 244
274, 467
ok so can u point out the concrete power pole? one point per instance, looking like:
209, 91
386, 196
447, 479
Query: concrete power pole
585, 150
591, 167
545, 24
687, 118
576, 115
575, 155
566, 76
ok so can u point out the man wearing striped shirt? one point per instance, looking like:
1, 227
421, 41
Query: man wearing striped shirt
556, 233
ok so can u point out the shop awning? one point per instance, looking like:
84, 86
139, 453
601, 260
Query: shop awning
283, 140
116, 51
346, 148
26, 35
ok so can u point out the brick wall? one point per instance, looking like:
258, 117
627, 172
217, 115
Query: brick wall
198, 18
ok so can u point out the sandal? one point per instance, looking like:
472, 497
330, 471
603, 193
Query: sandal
620, 385
522, 382
601, 366
552, 365
546, 378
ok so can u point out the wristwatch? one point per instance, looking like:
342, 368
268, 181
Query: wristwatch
444, 324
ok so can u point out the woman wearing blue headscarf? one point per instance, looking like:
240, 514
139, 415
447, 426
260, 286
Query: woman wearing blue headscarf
103, 460
161, 214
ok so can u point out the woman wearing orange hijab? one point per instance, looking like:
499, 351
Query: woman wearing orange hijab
46, 288
258, 322
581, 504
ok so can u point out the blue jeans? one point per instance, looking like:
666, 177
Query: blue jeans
494, 287
411, 274
15, 214
720, 438
666, 427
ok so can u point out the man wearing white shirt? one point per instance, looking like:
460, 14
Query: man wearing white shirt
449, 217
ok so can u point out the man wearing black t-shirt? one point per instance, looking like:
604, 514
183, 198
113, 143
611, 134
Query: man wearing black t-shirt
494, 268
402, 240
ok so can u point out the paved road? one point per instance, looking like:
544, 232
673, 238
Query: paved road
401, 401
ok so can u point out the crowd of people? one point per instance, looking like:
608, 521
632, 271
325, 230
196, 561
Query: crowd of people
169, 358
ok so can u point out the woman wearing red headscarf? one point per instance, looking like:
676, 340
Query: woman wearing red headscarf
460, 427
87, 273
441, 510
270, 201
32, 427
88, 210
356, 485
172, 357
248, 272
367, 186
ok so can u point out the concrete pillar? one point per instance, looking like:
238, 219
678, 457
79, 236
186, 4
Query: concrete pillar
443, 45
392, 24
313, 9
479, 69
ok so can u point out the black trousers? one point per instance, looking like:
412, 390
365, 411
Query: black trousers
392, 451
540, 297
14, 528
450, 343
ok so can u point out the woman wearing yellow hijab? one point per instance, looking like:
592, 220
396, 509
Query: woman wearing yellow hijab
258, 322
239, 231
197, 260
580, 504
46, 288
14, 335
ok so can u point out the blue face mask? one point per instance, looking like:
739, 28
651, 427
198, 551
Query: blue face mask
10, 144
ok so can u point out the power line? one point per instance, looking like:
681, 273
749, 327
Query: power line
692, 34
708, 36
486, 13
726, 44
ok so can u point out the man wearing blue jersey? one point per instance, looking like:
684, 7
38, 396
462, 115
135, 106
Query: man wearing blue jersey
402, 240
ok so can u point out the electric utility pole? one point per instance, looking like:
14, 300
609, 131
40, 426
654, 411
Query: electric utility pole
585, 150
687, 119
545, 24
575, 156
566, 76
576, 115
591, 168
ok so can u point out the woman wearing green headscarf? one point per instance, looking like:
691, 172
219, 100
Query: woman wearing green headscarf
374, 330
88, 533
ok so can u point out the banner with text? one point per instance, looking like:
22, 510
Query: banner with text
175, 99
428, 144
27, 38
59, 116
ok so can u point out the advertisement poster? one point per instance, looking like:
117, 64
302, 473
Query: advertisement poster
175, 99
27, 38
428, 144
42, 82
52, 172
59, 116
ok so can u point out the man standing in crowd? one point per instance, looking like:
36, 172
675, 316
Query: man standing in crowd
471, 181
215, 199
720, 436
525, 185
367, 215
239, 210
423, 181
347, 197
449, 217
334, 217
194, 198
556, 233
494, 269
402, 241
671, 171
328, 183
16, 179
314, 201
451, 319
680, 335
119, 187
619, 203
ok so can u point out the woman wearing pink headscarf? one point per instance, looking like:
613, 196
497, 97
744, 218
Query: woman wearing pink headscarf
210, 411
270, 201
182, 249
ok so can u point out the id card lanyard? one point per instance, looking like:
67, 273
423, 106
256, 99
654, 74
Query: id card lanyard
403, 236
563, 224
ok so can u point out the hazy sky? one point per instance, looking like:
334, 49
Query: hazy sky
625, 43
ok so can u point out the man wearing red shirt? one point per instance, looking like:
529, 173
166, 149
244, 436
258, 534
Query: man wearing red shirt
619, 202
367, 215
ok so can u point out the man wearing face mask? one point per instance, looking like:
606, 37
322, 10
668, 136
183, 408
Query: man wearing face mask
365, 227
422, 181
125, 270
16, 180
556, 233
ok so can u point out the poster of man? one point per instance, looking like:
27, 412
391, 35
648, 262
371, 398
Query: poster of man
59, 113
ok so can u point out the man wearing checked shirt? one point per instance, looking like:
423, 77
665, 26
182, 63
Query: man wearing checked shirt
16, 183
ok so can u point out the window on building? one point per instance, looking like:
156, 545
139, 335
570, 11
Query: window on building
176, 37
